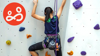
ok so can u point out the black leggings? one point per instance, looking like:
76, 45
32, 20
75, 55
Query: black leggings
39, 46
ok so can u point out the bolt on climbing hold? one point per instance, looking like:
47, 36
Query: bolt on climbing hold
70, 39
70, 53
96, 27
83, 53
8, 42
77, 4
46, 54
21, 28
28, 35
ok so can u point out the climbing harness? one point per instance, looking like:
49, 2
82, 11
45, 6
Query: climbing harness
50, 42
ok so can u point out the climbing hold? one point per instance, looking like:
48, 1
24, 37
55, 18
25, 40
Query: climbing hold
96, 27
83, 53
70, 53
70, 39
21, 28
28, 35
8, 42
77, 4
46, 54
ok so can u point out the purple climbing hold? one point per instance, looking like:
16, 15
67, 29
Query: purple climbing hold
70, 39
77, 4
96, 27
83, 53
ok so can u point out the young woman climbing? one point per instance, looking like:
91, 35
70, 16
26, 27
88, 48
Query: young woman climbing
50, 21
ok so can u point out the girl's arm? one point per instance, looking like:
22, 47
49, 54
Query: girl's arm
61, 8
34, 10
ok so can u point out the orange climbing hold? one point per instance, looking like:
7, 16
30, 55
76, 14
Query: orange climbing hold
28, 35
70, 53
46, 54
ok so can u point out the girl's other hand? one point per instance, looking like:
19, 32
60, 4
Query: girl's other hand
35, 1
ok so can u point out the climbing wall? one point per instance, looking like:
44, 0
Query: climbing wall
19, 43
81, 24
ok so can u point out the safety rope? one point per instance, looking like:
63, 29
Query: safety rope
55, 5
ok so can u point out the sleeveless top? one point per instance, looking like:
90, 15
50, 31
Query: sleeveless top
50, 25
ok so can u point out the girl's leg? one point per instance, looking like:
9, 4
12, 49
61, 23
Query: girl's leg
33, 53
59, 53
34, 47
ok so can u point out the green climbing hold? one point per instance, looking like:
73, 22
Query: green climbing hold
48, 20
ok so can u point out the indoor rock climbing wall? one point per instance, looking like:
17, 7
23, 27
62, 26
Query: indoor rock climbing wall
81, 24
19, 43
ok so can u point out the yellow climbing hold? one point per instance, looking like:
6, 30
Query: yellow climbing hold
70, 53
8, 42
28, 35
46, 54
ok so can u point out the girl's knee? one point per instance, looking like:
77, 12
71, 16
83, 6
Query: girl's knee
31, 48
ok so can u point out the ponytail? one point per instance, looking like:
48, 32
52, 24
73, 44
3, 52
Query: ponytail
48, 10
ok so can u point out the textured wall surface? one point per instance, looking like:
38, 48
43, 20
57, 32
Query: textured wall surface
80, 24
19, 42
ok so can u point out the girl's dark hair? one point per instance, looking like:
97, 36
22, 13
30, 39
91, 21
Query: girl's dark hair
47, 12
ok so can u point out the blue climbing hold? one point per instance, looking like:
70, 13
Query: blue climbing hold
22, 28
77, 4
70, 39
83, 53
96, 27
